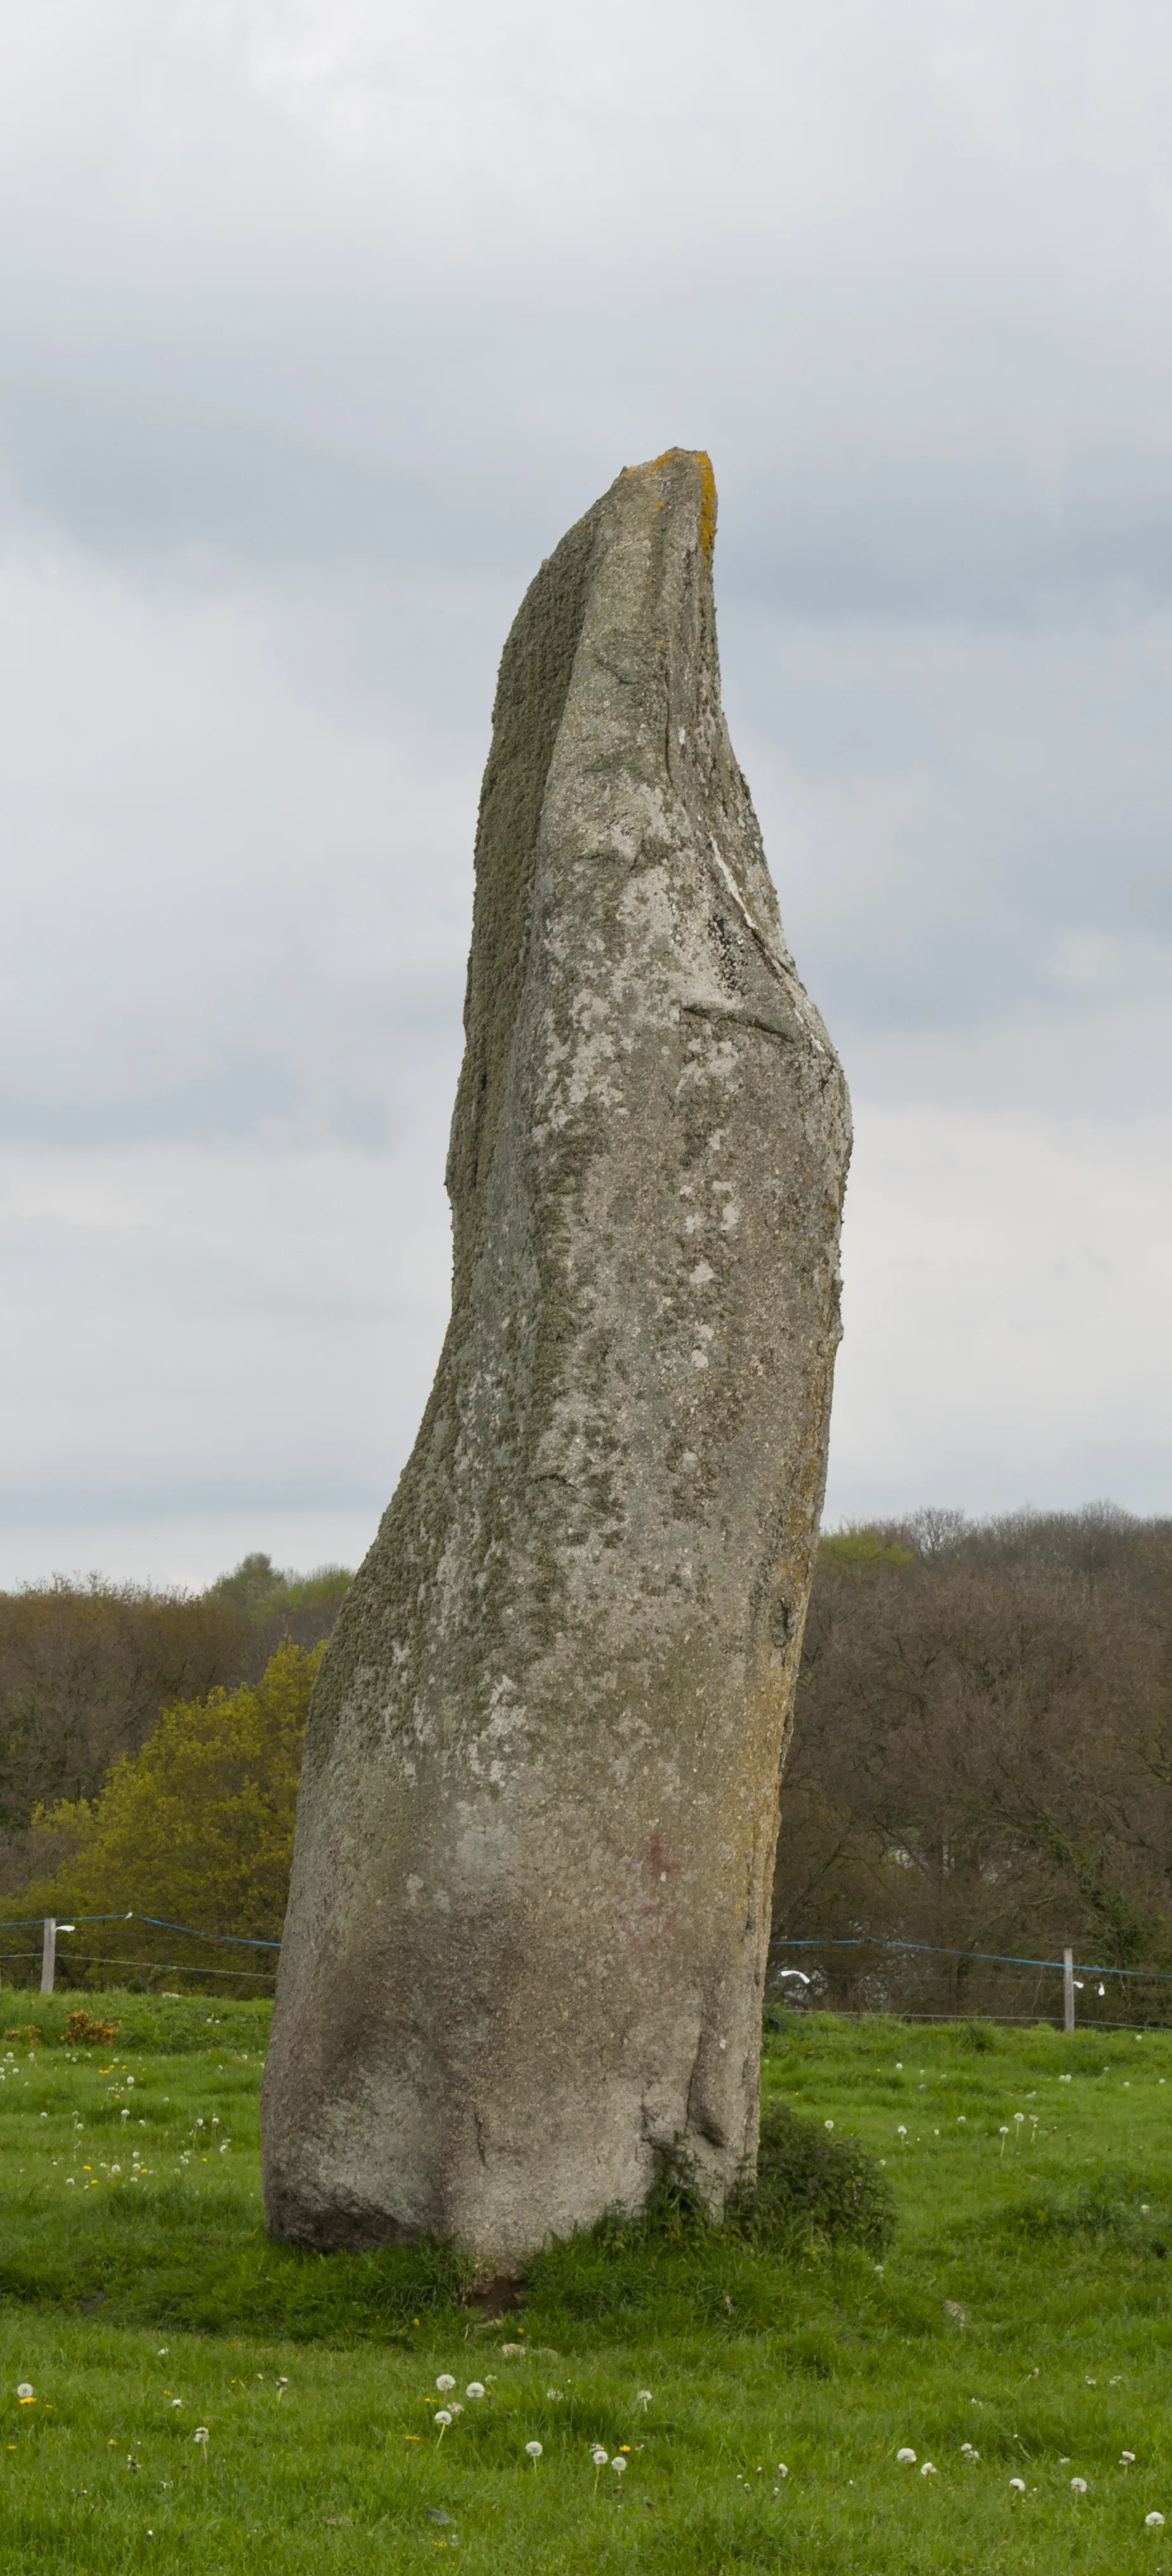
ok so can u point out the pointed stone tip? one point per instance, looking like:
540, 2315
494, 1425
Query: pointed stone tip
697, 456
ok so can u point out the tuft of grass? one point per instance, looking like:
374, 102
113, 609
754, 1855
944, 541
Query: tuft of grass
809, 2183
1104, 2203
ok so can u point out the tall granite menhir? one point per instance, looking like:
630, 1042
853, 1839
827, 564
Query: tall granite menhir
530, 1905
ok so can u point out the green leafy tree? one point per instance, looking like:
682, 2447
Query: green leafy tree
261, 1590
198, 1826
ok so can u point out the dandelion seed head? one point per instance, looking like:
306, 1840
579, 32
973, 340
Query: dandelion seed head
599, 2456
1018, 2484
618, 2463
441, 2416
475, 2388
1153, 2522
24, 2390
1078, 2486
533, 2450
908, 2458
445, 2380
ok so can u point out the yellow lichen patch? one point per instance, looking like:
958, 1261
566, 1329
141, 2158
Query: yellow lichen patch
698, 456
707, 504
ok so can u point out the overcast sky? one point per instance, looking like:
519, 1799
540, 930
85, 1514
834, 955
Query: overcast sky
320, 320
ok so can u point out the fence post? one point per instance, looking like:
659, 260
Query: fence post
49, 1955
1068, 1990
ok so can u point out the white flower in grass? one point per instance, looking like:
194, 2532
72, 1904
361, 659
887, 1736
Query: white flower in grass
475, 2388
555, 2393
901, 2132
781, 2470
927, 2469
202, 2436
1018, 2484
24, 2390
1078, 2486
443, 2419
644, 2397
618, 2463
457, 2409
967, 2452
445, 2380
1153, 2522
533, 2452
828, 2124
599, 2456
907, 2458
1127, 2459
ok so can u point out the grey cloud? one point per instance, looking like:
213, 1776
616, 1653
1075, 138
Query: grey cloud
928, 358
191, 1330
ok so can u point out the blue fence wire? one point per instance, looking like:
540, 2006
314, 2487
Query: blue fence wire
248, 1940
995, 1958
853, 1941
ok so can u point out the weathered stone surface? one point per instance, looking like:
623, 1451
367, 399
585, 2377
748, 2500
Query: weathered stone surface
530, 1899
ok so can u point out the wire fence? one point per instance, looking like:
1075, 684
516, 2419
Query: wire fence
59, 1957
865, 1973
859, 1973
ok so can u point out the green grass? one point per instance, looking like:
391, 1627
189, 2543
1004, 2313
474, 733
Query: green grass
1022, 2308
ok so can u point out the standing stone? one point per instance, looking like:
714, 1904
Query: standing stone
530, 1905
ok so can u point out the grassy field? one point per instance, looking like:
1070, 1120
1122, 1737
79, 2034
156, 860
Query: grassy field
1018, 2330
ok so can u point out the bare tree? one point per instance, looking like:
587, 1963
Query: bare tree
982, 1758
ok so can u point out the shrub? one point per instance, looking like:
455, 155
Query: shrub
198, 1827
79, 2026
810, 2184
806, 2184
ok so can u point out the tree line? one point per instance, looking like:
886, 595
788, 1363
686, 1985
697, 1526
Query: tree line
981, 1761
86, 1668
